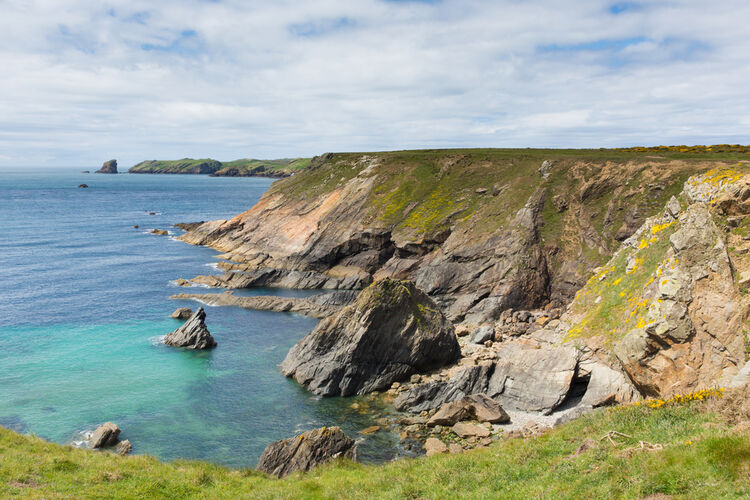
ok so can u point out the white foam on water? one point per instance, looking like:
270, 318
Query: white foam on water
81, 439
213, 265
158, 340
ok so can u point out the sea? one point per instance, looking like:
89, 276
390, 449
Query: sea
84, 305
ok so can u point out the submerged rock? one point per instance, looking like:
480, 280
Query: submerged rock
109, 167
182, 313
105, 435
193, 334
83, 185
303, 452
392, 331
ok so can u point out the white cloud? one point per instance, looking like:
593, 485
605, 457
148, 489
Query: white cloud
85, 81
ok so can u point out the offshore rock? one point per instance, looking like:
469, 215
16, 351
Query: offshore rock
303, 452
124, 448
109, 167
105, 435
182, 313
392, 331
193, 334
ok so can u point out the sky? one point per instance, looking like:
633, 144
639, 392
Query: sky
84, 81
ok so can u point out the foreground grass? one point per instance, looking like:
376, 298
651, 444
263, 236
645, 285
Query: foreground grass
700, 458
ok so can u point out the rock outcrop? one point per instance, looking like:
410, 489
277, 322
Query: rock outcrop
193, 334
182, 313
303, 452
475, 407
124, 448
674, 309
109, 167
105, 435
390, 332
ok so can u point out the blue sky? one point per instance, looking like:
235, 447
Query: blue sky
87, 81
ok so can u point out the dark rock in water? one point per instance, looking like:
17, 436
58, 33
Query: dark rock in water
303, 452
105, 435
83, 185
475, 407
182, 313
193, 334
109, 167
14, 423
124, 447
136, 226
390, 332
86, 172
160, 232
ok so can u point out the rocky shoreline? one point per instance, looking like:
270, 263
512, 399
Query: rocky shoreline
536, 366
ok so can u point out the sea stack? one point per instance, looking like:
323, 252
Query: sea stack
193, 334
109, 167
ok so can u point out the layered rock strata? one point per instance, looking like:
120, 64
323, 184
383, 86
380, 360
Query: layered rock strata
390, 332
302, 453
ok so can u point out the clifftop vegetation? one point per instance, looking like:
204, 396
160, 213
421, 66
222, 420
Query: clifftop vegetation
238, 168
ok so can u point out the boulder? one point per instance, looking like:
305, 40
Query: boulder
431, 395
109, 167
105, 435
160, 232
124, 448
482, 334
475, 407
193, 334
303, 452
390, 332
83, 185
466, 430
532, 379
182, 313
433, 446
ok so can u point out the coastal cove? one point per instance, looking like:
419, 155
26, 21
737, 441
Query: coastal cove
86, 299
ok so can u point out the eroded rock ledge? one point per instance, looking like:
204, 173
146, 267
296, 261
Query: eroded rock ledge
318, 306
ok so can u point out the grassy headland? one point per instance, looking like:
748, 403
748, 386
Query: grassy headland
238, 168
678, 448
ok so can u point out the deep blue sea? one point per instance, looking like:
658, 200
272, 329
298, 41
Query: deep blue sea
84, 297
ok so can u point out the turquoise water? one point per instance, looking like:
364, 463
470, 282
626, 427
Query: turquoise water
84, 297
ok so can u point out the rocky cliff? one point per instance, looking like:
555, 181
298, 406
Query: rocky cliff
481, 231
108, 167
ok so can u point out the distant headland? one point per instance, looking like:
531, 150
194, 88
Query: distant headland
246, 167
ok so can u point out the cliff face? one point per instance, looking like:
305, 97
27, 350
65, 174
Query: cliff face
670, 308
109, 167
480, 231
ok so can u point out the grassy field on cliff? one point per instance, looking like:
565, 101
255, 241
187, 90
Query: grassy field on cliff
677, 450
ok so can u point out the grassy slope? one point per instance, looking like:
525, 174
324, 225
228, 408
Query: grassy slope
701, 458
421, 193
245, 166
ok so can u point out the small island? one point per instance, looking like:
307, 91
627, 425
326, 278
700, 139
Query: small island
109, 167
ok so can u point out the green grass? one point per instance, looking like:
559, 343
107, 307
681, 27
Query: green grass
698, 460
